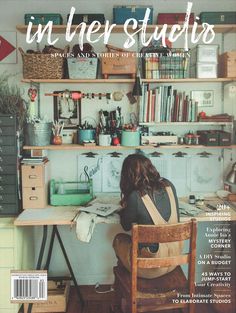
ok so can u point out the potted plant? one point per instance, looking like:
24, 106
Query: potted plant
11, 101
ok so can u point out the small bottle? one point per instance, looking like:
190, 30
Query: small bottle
191, 199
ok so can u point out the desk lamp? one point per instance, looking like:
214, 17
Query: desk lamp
231, 181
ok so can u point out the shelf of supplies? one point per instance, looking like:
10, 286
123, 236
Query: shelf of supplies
187, 124
189, 80
72, 147
80, 81
80, 147
60, 29
127, 80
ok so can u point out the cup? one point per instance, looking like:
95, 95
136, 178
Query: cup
104, 140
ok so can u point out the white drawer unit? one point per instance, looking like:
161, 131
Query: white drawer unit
16, 253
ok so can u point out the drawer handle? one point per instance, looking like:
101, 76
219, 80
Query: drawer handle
33, 198
1, 197
32, 176
0, 149
1, 159
1, 188
1, 169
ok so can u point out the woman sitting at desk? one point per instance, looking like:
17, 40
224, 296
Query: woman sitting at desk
139, 178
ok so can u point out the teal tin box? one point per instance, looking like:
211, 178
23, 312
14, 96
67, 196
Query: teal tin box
43, 18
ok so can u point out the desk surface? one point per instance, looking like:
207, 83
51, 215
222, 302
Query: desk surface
48, 216
65, 215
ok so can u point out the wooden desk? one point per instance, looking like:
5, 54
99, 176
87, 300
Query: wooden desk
51, 216
207, 215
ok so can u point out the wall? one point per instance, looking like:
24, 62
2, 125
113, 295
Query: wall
88, 259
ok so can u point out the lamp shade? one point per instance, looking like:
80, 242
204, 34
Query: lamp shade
137, 89
231, 177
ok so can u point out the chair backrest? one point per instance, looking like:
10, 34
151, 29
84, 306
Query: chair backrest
149, 234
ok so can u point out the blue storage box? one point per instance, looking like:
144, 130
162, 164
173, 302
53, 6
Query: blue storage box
122, 13
82, 68
43, 18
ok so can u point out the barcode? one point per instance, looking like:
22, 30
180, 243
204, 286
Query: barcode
29, 289
28, 286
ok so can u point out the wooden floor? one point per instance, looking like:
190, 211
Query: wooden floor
74, 306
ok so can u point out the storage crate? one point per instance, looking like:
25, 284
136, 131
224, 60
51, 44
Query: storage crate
43, 65
122, 13
174, 18
203, 70
70, 193
98, 302
82, 68
58, 295
170, 64
43, 18
208, 137
87, 18
227, 64
204, 54
218, 17
118, 62
224, 138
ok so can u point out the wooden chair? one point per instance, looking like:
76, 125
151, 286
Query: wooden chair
151, 295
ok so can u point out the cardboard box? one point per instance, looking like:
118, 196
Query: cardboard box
33, 175
203, 70
34, 197
35, 185
98, 302
204, 54
227, 64
58, 295
121, 63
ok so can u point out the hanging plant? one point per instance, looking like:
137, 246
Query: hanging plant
11, 101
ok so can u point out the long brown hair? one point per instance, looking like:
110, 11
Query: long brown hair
138, 173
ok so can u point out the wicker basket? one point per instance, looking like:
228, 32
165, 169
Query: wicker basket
43, 66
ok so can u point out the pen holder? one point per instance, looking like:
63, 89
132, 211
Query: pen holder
130, 138
85, 135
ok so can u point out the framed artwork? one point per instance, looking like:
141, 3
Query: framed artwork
204, 98
8, 53
66, 109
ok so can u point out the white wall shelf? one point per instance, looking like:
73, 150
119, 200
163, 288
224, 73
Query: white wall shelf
60, 29
73, 147
127, 80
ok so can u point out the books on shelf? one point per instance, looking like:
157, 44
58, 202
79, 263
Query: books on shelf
166, 104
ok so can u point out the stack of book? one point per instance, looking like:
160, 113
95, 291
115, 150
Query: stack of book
165, 104
34, 160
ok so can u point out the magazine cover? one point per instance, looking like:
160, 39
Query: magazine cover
117, 156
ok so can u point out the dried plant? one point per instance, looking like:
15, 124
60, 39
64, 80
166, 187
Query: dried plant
11, 101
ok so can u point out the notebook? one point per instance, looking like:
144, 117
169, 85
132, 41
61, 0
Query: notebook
102, 209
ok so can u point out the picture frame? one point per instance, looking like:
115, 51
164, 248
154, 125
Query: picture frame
204, 98
66, 110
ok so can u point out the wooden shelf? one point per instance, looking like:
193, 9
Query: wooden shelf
189, 80
80, 81
188, 124
71, 147
61, 29
128, 81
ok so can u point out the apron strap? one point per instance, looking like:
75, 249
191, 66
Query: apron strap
153, 210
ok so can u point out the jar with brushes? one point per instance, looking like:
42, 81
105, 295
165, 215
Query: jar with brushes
57, 132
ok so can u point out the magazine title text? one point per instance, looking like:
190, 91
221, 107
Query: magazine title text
95, 31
